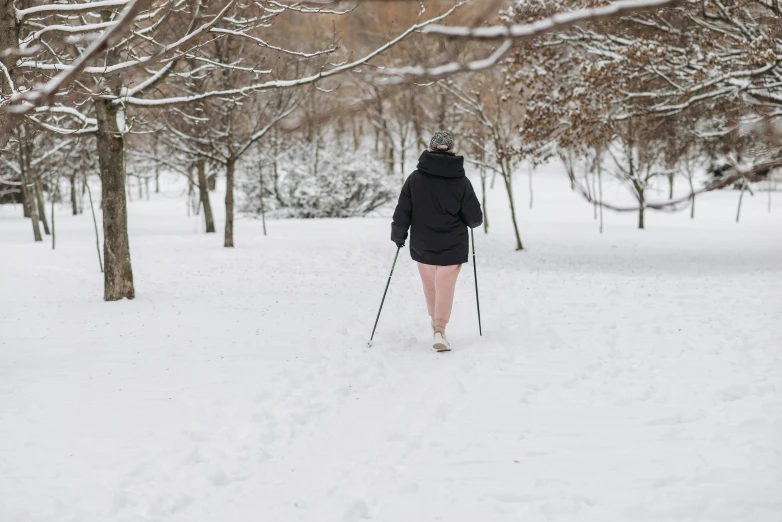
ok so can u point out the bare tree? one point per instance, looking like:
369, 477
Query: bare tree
492, 132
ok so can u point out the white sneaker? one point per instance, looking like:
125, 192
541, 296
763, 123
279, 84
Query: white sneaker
441, 343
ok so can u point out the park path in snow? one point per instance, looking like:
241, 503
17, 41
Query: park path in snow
628, 376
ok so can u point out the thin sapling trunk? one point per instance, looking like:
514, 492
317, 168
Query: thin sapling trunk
600, 188
74, 200
229, 203
531, 192
203, 191
41, 207
509, 188
741, 198
262, 204
94, 222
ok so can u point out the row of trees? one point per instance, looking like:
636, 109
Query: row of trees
657, 94
318, 109
205, 81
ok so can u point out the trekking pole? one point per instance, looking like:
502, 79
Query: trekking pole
384, 296
475, 270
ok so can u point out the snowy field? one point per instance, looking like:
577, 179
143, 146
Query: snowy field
623, 377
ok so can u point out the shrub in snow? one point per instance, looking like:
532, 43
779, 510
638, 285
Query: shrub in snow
337, 182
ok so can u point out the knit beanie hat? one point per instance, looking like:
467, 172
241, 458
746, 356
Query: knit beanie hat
441, 140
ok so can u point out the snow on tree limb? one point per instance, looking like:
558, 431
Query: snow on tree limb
153, 80
262, 132
42, 94
294, 6
69, 111
736, 174
263, 43
61, 130
556, 22
306, 80
68, 29
449, 69
109, 69
48, 9
514, 32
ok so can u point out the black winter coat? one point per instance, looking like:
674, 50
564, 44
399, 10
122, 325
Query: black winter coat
439, 203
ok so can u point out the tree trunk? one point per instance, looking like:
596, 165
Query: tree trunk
509, 188
442, 115
316, 164
590, 189
356, 133
74, 201
403, 145
95, 224
594, 190
41, 207
573, 169
483, 202
82, 192
531, 193
33, 212
692, 198
670, 186
203, 191
275, 172
769, 192
9, 39
24, 197
190, 186
390, 150
23, 179
741, 198
263, 205
157, 170
118, 273
229, 203
415, 112
600, 189
28, 190
54, 235
140, 189
641, 209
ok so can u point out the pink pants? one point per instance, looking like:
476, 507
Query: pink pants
439, 286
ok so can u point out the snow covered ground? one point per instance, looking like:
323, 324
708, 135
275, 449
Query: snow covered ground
629, 376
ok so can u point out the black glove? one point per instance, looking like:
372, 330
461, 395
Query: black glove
398, 235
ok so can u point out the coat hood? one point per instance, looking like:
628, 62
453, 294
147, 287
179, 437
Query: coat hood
441, 164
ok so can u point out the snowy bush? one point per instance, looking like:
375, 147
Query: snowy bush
309, 183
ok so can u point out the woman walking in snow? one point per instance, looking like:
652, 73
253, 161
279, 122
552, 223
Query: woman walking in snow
439, 203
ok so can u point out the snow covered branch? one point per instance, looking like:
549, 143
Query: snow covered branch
42, 94
553, 23
67, 29
263, 43
400, 74
755, 173
305, 80
262, 132
68, 9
